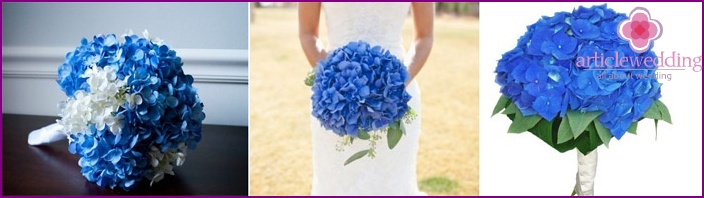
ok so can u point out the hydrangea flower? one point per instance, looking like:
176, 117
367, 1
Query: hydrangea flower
131, 111
98, 105
542, 75
359, 87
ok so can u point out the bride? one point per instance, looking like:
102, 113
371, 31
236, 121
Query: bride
392, 172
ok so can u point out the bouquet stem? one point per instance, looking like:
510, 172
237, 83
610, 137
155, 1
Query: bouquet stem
46, 135
586, 171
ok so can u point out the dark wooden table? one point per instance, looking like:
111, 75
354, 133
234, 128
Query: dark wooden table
217, 167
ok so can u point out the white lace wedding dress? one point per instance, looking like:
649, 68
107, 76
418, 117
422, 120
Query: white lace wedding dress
392, 172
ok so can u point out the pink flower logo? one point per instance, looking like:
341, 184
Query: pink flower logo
639, 29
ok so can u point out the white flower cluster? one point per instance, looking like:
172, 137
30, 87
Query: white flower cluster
145, 34
100, 105
161, 162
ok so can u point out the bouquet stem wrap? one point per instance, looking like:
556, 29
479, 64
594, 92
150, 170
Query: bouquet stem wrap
45, 135
586, 171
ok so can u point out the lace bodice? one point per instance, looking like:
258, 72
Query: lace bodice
376, 23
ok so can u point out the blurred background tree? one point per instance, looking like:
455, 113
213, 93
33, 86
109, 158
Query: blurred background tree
459, 8
441, 8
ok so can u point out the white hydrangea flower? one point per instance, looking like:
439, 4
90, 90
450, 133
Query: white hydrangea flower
145, 34
100, 105
133, 100
128, 32
162, 162
155, 40
75, 113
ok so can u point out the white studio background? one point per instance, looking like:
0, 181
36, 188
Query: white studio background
521, 164
211, 38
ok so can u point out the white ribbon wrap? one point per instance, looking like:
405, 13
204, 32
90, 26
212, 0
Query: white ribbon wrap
586, 171
47, 134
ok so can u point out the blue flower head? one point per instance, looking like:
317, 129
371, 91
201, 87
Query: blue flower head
359, 87
110, 160
170, 114
542, 75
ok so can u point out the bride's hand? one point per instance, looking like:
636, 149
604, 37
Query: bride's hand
323, 54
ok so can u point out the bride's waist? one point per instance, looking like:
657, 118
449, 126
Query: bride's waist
395, 48
387, 45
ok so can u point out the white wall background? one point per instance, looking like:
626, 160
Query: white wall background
521, 164
211, 38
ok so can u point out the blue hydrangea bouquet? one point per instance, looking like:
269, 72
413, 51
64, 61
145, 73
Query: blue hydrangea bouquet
547, 91
131, 112
359, 93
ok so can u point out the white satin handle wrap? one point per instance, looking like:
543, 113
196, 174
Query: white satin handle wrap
586, 171
45, 135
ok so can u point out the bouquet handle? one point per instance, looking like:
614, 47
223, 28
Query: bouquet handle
586, 171
46, 135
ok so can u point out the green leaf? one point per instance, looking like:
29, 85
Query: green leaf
582, 143
664, 111
310, 77
565, 146
547, 131
580, 121
604, 133
564, 132
543, 130
363, 135
522, 124
632, 129
356, 156
594, 139
591, 127
500, 105
587, 142
510, 109
653, 112
393, 135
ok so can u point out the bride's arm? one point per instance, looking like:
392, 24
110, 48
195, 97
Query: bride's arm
308, 20
423, 16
